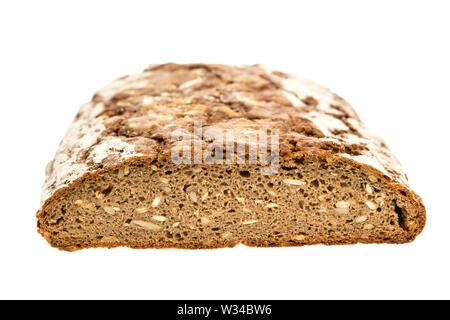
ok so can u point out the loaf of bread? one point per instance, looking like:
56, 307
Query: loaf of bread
210, 156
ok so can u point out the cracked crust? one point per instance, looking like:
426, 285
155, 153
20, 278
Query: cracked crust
134, 117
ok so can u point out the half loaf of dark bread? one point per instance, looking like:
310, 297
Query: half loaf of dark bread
115, 181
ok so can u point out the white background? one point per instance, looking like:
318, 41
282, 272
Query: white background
390, 59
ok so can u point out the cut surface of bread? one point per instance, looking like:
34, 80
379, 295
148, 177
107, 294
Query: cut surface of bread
114, 181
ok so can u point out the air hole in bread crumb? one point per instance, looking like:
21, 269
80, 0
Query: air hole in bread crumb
401, 216
244, 173
107, 191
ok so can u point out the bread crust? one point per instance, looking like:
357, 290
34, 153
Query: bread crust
131, 120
